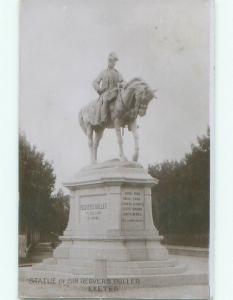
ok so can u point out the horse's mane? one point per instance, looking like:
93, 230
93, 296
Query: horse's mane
132, 87
135, 81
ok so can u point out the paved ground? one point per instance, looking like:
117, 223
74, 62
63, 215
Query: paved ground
195, 265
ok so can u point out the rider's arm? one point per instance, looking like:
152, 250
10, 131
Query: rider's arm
96, 83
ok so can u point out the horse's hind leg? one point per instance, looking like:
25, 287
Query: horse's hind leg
90, 142
98, 136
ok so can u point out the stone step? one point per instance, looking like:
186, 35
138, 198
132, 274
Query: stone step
130, 271
147, 271
121, 264
50, 261
74, 262
111, 271
51, 268
143, 264
83, 271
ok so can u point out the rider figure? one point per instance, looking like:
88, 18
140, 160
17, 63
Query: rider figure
107, 84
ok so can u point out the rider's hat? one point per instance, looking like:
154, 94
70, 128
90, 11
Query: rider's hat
113, 56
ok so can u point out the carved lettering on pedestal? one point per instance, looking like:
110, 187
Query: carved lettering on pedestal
92, 208
132, 209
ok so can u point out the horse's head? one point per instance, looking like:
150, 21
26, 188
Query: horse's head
137, 96
143, 96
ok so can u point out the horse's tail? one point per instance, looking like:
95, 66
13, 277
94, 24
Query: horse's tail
81, 122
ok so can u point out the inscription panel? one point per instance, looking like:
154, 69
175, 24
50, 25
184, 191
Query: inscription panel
132, 209
93, 209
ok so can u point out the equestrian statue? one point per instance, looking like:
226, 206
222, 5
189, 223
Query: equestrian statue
118, 106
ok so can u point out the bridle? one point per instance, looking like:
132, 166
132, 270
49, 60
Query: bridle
127, 108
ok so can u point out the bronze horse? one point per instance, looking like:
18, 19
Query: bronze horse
131, 101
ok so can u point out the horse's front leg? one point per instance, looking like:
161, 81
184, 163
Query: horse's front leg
134, 130
119, 139
98, 136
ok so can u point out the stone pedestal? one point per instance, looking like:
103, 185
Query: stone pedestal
110, 233
110, 217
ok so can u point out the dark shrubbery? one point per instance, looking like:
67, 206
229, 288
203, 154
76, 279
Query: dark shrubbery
180, 201
39, 209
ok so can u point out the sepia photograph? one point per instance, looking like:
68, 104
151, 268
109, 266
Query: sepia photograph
115, 128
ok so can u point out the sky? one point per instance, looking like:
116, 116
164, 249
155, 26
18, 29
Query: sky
64, 44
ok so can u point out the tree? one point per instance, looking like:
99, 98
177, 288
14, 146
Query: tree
60, 212
36, 184
180, 202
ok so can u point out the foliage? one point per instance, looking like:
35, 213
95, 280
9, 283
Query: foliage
60, 214
38, 209
180, 201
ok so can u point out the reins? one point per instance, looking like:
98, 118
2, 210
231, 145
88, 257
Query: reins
127, 108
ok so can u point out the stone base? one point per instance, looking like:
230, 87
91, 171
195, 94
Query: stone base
103, 268
111, 236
